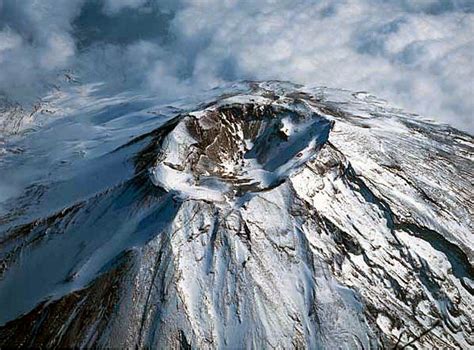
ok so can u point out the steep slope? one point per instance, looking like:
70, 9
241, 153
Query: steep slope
270, 215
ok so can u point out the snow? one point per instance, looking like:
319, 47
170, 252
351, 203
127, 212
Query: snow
339, 212
184, 185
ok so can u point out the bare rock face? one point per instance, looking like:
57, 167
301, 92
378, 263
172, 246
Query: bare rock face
271, 216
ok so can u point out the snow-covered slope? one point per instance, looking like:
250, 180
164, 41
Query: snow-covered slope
258, 215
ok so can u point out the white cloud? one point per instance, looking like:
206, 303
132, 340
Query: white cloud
417, 54
114, 6
35, 41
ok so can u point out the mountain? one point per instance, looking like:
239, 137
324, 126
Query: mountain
261, 214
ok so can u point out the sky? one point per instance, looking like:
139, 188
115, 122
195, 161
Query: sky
416, 54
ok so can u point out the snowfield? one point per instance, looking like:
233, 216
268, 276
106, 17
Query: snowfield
257, 215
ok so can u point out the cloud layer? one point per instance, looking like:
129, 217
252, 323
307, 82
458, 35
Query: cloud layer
416, 54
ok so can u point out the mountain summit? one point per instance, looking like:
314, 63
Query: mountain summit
267, 215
